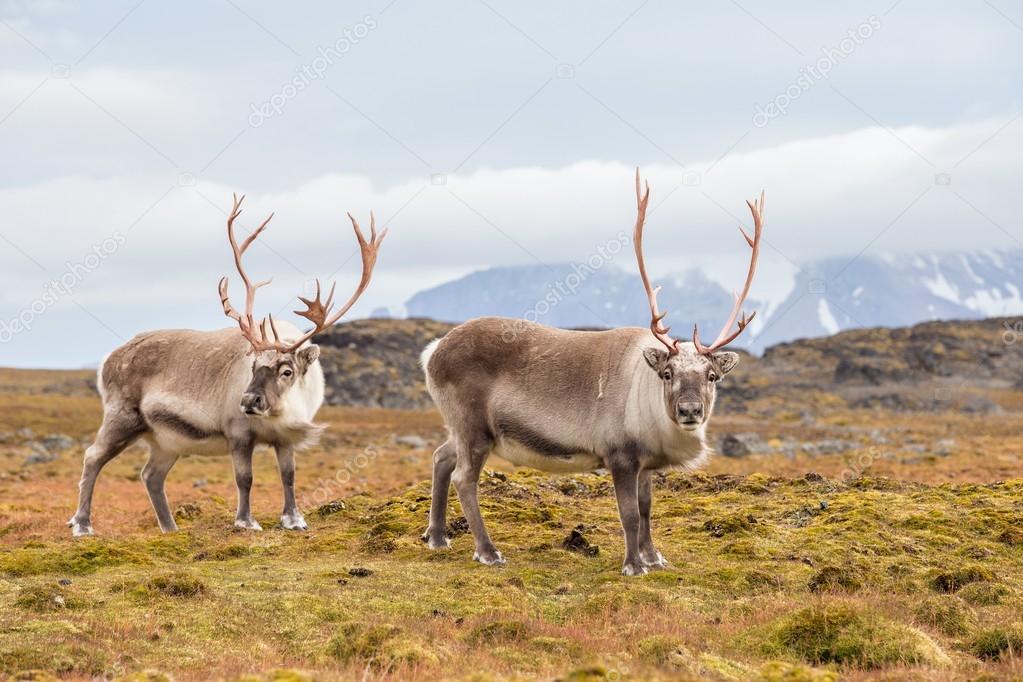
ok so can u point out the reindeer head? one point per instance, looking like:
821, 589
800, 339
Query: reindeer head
279, 364
689, 372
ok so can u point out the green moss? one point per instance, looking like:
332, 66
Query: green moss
614, 597
665, 652
497, 631
729, 525
34, 676
997, 643
846, 635
87, 555
145, 676
953, 579
174, 584
593, 673
779, 671
280, 675
62, 659
380, 646
836, 579
984, 593
223, 552
48, 598
947, 614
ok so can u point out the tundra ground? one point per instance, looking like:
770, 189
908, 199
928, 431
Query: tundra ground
900, 557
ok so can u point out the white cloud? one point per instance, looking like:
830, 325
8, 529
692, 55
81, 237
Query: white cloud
825, 196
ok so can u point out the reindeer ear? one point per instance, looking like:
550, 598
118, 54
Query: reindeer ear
307, 356
726, 361
656, 358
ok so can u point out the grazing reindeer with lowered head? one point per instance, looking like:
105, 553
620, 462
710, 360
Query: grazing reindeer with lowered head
574, 401
193, 392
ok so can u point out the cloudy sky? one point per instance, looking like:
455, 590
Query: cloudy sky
485, 133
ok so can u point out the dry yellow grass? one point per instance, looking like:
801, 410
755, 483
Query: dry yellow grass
912, 568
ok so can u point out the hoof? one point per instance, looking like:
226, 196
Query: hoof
291, 522
492, 558
247, 524
436, 541
655, 561
634, 569
80, 530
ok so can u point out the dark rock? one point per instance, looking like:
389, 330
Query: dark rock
375, 362
742, 444
577, 542
188, 511
360, 572
978, 404
412, 441
456, 527
58, 442
332, 507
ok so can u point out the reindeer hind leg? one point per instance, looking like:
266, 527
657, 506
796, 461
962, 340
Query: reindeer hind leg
120, 429
444, 460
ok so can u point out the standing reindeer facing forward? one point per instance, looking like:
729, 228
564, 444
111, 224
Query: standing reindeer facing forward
193, 392
571, 401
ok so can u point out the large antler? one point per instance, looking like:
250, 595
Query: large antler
724, 337
245, 322
318, 312
659, 331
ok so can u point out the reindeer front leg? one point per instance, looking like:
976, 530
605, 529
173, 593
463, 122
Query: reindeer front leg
241, 456
651, 557
625, 475
291, 517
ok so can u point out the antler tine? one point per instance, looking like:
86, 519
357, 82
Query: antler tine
316, 311
659, 331
255, 334
725, 337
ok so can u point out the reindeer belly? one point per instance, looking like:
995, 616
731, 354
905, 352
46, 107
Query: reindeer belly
560, 463
173, 430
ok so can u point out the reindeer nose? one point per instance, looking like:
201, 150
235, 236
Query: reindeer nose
253, 403
690, 412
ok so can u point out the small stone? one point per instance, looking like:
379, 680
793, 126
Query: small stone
199, 483
58, 442
64, 582
59, 601
342, 581
824, 505
577, 542
742, 445
332, 507
360, 572
412, 441
25, 434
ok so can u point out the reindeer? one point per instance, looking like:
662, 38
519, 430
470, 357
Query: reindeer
195, 392
574, 401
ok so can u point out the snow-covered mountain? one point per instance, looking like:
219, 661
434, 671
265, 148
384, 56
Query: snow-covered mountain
827, 296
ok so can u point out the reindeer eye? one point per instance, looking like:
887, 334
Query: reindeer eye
713, 377
666, 375
286, 372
